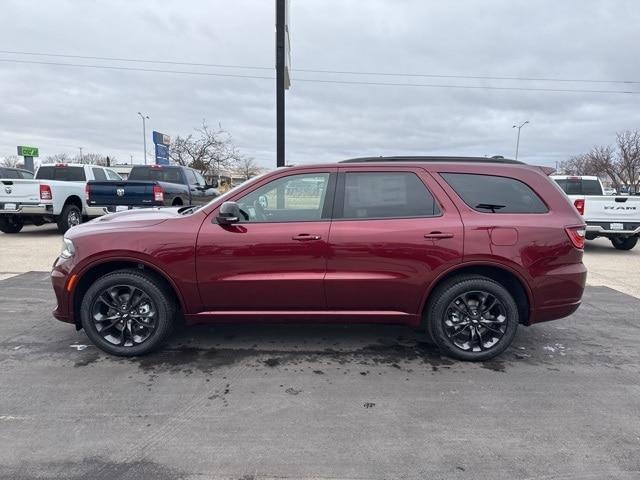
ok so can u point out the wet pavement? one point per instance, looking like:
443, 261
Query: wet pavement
322, 402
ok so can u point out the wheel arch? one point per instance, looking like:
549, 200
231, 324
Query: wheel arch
73, 200
95, 270
507, 277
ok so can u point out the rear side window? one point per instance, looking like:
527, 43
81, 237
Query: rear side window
64, 173
493, 194
98, 174
26, 175
579, 186
386, 195
169, 175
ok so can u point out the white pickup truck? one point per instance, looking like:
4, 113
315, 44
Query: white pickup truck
57, 194
617, 218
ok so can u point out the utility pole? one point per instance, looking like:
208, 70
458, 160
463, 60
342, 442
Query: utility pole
81, 157
280, 80
144, 134
519, 127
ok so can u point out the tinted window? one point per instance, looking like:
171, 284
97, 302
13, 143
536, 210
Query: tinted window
98, 174
111, 175
386, 195
191, 177
8, 173
579, 186
157, 174
487, 193
296, 198
64, 173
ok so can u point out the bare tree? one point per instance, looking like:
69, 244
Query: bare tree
247, 167
208, 150
58, 158
579, 165
11, 161
628, 158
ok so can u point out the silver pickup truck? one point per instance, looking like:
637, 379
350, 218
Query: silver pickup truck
617, 218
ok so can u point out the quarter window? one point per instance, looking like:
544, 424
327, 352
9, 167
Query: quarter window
296, 198
98, 174
493, 194
386, 195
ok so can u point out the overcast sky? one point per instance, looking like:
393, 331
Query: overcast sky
60, 108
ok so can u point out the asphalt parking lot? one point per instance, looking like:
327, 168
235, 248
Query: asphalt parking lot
319, 402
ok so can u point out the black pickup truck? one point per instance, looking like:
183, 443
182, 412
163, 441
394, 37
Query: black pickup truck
152, 186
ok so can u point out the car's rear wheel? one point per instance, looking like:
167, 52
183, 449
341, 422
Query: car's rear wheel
11, 224
128, 313
70, 217
622, 243
472, 317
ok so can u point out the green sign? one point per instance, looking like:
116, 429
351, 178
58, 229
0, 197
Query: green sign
24, 151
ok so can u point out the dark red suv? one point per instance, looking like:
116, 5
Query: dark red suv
467, 248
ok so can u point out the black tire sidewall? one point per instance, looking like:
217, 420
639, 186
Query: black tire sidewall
447, 293
162, 300
624, 243
63, 221
11, 224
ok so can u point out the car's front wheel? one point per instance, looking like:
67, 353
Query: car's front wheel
127, 313
472, 317
624, 243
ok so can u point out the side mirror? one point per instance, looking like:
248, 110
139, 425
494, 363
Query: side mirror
229, 213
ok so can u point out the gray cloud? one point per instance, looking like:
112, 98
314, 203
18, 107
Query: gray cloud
61, 108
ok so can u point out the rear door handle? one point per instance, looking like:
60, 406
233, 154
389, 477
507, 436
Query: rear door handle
306, 237
438, 235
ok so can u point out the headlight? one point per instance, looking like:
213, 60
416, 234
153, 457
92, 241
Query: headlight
68, 250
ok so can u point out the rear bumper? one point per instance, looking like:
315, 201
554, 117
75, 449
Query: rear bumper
96, 211
29, 209
559, 293
604, 228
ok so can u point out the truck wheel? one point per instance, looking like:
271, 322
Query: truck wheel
11, 224
472, 317
70, 217
621, 243
127, 313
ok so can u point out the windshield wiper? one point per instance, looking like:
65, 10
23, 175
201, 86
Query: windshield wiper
489, 206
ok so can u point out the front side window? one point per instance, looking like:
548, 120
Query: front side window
493, 194
386, 195
296, 198
111, 175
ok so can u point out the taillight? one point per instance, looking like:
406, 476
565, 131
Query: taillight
579, 204
45, 192
158, 194
576, 235
87, 192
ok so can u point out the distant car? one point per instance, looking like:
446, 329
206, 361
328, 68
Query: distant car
152, 186
12, 173
468, 248
609, 191
55, 194
617, 219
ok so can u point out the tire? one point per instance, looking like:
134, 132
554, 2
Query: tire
124, 335
11, 224
70, 217
621, 243
480, 335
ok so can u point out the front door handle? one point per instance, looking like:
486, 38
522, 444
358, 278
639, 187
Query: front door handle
306, 237
438, 235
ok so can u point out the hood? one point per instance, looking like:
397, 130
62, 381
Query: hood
128, 219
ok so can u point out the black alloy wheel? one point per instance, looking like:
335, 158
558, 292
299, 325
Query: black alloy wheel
472, 317
127, 313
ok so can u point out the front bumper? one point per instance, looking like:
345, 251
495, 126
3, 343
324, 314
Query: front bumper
59, 279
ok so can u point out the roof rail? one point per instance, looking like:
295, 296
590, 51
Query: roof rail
494, 159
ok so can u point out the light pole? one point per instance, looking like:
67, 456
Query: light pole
519, 127
144, 134
81, 157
